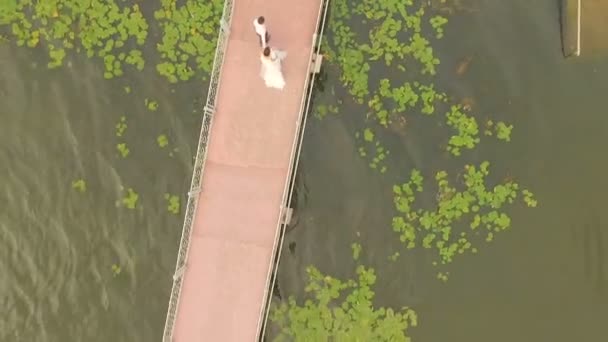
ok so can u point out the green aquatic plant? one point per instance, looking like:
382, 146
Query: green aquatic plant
123, 150
322, 110
341, 310
503, 131
79, 185
403, 98
100, 28
529, 198
151, 105
488, 128
373, 149
130, 199
116, 270
356, 247
398, 46
389, 19
429, 97
127, 89
460, 217
162, 141
393, 257
467, 130
172, 203
121, 126
438, 22
189, 37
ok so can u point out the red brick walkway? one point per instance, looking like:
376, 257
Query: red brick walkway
247, 167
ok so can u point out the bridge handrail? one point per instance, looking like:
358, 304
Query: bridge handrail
293, 164
199, 165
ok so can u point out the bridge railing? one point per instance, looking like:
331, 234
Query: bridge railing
199, 166
294, 161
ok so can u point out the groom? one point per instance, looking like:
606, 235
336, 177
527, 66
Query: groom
260, 30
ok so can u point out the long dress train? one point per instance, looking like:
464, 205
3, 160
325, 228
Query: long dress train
271, 69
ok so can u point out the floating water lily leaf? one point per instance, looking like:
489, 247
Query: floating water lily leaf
162, 140
123, 149
79, 185
116, 270
503, 131
121, 126
173, 205
130, 199
151, 105
467, 130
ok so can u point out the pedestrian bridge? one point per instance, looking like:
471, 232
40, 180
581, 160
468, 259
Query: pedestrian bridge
242, 180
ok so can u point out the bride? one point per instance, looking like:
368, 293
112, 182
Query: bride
271, 67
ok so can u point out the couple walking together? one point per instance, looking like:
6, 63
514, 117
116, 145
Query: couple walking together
271, 58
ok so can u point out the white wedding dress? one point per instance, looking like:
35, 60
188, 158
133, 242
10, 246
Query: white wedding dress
271, 69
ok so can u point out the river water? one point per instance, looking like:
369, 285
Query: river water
59, 245
545, 279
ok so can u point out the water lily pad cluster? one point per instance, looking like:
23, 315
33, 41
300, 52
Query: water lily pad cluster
372, 147
172, 203
130, 199
467, 129
189, 37
396, 40
341, 310
501, 129
397, 47
100, 28
460, 216
121, 128
116, 270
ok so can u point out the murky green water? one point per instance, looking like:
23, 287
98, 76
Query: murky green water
58, 245
546, 279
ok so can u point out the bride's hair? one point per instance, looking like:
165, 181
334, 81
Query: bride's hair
266, 51
261, 20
